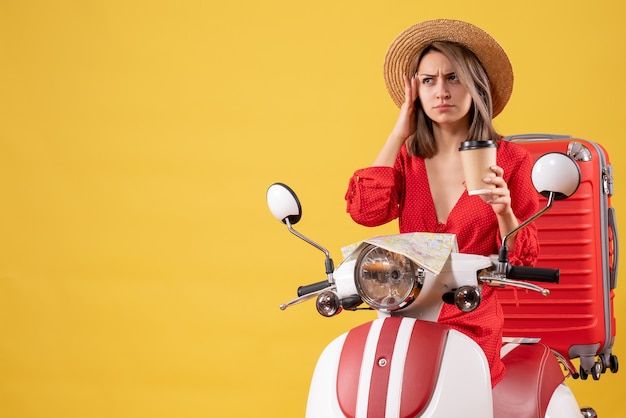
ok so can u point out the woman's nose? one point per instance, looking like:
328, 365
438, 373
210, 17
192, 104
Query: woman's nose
442, 91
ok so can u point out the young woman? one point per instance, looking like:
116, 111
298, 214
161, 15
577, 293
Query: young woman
450, 79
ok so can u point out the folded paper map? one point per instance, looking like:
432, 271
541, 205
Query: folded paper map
426, 249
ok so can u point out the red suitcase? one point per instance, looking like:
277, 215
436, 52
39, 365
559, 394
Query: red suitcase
578, 236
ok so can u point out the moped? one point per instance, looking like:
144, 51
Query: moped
404, 363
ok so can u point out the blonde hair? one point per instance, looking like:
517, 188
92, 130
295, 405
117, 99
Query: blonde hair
473, 77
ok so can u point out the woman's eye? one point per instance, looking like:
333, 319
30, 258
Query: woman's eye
453, 77
427, 80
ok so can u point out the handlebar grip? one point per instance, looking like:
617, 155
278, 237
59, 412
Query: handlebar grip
310, 288
534, 274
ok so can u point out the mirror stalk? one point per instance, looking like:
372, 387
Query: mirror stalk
503, 257
330, 266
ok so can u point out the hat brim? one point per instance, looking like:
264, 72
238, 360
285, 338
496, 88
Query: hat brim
407, 46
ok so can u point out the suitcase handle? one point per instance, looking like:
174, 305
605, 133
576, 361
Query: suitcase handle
536, 137
533, 274
613, 229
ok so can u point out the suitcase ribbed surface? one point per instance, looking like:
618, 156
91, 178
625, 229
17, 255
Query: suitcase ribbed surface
576, 236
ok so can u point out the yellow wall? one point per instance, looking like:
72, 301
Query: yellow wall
140, 270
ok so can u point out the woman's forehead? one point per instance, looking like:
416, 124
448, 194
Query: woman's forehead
434, 62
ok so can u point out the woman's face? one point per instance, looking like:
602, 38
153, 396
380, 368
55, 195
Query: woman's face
444, 99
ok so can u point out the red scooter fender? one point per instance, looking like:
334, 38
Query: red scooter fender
403, 367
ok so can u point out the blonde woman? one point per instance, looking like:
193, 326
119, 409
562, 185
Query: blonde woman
450, 79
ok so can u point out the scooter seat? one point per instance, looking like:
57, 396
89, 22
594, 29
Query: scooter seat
532, 375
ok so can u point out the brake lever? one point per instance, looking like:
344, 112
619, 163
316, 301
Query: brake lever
304, 298
499, 281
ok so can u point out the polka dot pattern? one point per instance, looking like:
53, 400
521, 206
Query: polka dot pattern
377, 195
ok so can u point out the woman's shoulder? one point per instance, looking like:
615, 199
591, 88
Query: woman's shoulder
404, 160
512, 149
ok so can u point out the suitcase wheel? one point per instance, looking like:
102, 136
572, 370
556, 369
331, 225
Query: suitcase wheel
598, 368
595, 371
610, 363
614, 366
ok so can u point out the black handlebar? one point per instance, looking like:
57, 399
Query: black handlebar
533, 274
311, 288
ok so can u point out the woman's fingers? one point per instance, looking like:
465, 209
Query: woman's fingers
410, 89
414, 95
500, 197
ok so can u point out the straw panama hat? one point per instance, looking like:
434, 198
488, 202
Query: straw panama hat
407, 46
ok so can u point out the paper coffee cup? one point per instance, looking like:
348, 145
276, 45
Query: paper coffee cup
477, 158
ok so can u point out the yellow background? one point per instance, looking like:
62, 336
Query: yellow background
140, 270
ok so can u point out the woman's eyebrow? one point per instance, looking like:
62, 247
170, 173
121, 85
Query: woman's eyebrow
435, 75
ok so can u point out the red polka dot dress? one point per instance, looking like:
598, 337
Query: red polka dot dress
377, 195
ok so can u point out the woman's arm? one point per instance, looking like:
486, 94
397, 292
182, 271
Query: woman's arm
523, 202
404, 127
373, 195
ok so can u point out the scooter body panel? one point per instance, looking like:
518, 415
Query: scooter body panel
461, 375
563, 404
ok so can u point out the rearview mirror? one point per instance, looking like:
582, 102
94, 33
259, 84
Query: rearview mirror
283, 203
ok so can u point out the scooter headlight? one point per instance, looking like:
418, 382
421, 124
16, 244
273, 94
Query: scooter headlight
385, 280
